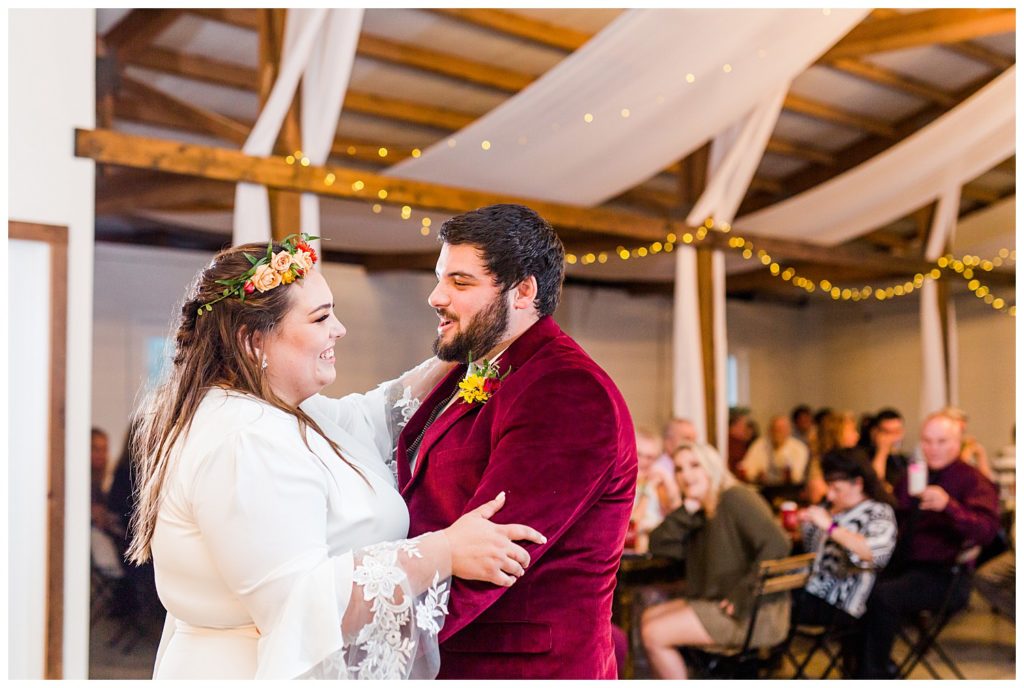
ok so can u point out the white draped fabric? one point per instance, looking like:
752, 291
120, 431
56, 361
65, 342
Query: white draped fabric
957, 147
735, 154
319, 48
687, 366
542, 147
937, 382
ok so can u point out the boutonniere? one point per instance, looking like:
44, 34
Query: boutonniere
482, 381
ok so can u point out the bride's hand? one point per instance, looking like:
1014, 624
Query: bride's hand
485, 551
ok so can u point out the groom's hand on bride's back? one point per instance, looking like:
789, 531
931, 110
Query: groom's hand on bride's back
486, 551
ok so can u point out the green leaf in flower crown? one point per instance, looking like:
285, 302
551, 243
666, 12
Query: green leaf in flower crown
252, 259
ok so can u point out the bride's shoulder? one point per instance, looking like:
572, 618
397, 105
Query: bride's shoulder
226, 411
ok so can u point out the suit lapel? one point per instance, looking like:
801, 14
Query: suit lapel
442, 391
517, 354
435, 432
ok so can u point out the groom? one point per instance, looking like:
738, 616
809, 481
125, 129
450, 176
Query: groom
549, 428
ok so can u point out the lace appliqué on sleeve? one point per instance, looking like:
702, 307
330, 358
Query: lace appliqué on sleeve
390, 632
402, 405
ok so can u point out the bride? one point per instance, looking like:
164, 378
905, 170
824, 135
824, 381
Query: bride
270, 511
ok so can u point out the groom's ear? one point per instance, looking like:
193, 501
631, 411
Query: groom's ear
525, 294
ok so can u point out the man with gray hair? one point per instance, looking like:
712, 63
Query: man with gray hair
955, 512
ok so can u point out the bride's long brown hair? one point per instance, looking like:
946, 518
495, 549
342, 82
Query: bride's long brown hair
212, 350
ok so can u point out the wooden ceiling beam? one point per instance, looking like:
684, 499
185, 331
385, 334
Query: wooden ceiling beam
242, 18
519, 26
834, 115
980, 53
405, 111
790, 149
886, 77
1008, 166
924, 27
137, 29
144, 112
196, 67
860, 151
971, 51
205, 120
339, 182
979, 193
130, 192
444, 64
236, 76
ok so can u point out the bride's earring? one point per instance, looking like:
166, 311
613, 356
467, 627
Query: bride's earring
264, 365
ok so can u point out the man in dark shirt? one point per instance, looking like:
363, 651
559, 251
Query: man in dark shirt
886, 439
957, 510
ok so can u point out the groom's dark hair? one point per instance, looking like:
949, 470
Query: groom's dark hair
515, 242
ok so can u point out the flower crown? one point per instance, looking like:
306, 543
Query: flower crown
271, 270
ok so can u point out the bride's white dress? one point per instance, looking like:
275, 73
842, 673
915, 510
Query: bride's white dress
275, 560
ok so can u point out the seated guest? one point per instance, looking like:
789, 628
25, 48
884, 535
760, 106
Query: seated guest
996, 580
836, 431
677, 431
723, 531
657, 493
889, 462
854, 538
803, 424
971, 451
98, 457
778, 459
956, 511
741, 434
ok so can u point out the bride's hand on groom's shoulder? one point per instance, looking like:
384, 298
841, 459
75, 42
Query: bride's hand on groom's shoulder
486, 551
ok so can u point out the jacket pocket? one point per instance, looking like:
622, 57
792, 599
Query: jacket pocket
523, 637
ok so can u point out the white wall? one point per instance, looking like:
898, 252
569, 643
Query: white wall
51, 81
29, 353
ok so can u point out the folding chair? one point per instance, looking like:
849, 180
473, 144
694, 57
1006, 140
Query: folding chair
826, 639
929, 625
774, 576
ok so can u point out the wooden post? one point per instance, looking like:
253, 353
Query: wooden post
284, 205
706, 302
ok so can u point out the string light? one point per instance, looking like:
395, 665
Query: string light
961, 266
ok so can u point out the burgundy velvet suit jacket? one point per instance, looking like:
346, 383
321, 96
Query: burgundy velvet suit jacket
558, 439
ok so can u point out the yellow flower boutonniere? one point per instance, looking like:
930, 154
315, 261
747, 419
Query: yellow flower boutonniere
482, 381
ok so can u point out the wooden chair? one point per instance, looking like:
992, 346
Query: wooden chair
774, 577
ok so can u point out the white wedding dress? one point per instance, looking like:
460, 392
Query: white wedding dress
275, 560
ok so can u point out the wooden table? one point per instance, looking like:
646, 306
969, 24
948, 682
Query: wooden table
639, 573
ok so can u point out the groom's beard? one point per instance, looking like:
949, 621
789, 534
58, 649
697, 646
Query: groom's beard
485, 331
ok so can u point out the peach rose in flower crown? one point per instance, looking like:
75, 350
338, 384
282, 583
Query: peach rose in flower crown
302, 260
266, 278
281, 261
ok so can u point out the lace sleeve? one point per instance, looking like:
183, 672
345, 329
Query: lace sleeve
397, 607
405, 394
